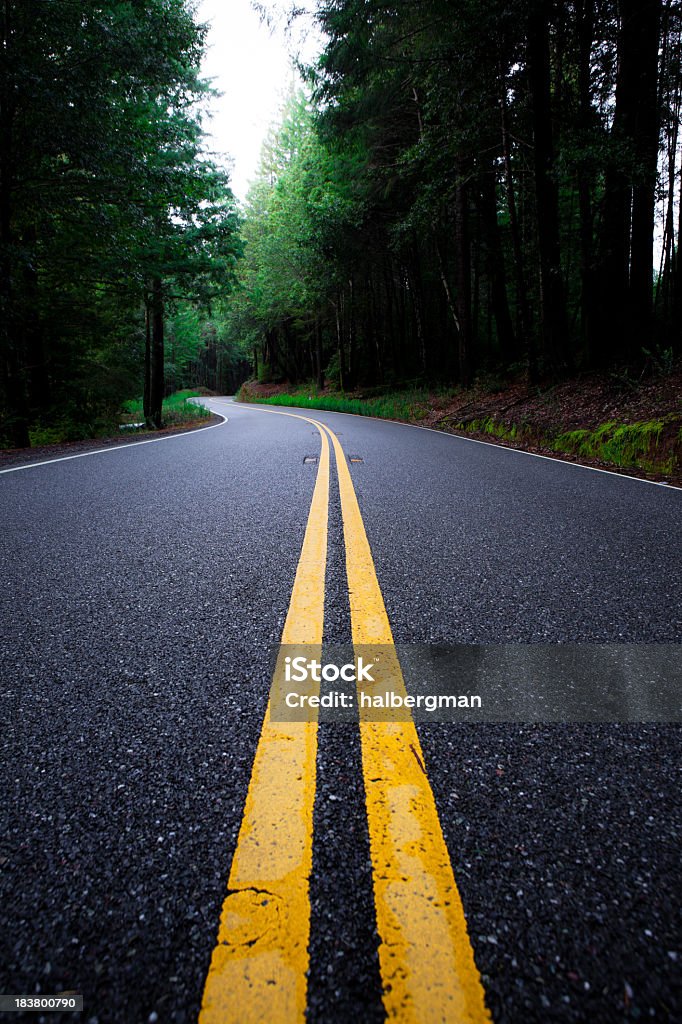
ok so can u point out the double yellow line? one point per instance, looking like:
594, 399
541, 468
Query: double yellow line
258, 970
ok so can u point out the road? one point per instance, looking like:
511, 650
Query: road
143, 593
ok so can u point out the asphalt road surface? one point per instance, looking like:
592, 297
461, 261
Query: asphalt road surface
143, 591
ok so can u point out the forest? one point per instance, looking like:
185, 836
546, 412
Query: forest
114, 223
458, 188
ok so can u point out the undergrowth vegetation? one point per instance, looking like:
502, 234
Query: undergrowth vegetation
626, 445
177, 409
403, 405
651, 446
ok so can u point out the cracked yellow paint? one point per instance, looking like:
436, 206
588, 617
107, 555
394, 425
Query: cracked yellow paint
427, 963
258, 968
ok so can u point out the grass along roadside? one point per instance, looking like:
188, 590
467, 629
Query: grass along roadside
407, 406
177, 410
594, 421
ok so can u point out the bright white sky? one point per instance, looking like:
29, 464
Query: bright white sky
250, 65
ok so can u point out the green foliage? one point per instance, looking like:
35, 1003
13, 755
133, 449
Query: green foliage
297, 225
395, 230
333, 372
110, 189
661, 359
632, 444
398, 228
404, 406
491, 426
177, 409
625, 445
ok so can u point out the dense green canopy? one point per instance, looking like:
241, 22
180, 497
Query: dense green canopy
108, 205
462, 187
473, 186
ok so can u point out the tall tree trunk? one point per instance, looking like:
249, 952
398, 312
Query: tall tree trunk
446, 287
372, 331
11, 362
676, 296
156, 376
32, 341
522, 311
585, 32
318, 354
552, 302
627, 231
339, 343
463, 280
451, 307
395, 339
352, 369
495, 267
673, 102
645, 38
414, 281
146, 399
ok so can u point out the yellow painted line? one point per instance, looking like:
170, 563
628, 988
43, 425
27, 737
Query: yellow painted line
258, 971
258, 968
425, 955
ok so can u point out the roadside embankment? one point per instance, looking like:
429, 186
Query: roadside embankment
606, 421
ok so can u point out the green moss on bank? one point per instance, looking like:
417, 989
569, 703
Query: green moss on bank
639, 446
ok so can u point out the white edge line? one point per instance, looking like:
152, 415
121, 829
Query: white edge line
118, 447
474, 440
